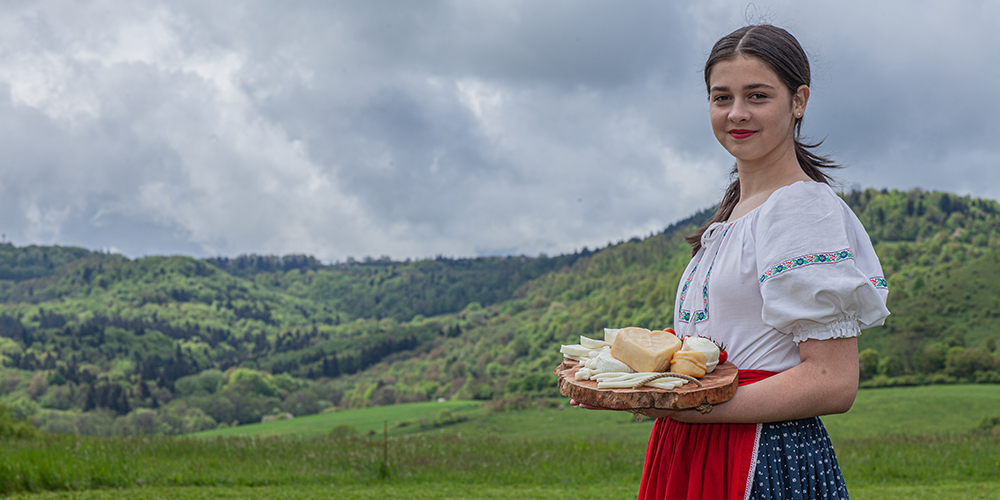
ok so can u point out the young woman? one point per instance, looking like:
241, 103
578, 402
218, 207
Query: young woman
785, 276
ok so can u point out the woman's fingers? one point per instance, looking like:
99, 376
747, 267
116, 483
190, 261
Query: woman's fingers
586, 406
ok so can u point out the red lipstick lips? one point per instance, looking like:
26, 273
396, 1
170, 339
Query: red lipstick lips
741, 133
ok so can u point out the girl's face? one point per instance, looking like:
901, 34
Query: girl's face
753, 113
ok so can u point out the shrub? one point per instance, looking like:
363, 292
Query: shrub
22, 409
931, 358
181, 419
868, 363
941, 378
60, 397
988, 425
249, 409
219, 407
446, 417
343, 431
514, 403
247, 381
95, 423
964, 363
304, 403
890, 366
14, 428
385, 395
188, 386
988, 377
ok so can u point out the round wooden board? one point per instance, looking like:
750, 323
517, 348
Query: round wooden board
718, 386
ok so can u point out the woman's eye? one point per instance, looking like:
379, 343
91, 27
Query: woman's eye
720, 98
758, 95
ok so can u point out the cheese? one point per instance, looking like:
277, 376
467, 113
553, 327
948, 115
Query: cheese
706, 347
629, 380
593, 344
574, 350
643, 350
691, 363
610, 334
606, 363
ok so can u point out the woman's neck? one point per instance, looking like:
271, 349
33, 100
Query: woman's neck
759, 179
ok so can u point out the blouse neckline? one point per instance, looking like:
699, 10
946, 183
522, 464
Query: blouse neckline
768, 200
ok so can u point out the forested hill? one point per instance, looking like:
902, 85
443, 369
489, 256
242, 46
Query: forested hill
96, 342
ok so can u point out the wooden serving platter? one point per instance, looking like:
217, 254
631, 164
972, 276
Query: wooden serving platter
718, 387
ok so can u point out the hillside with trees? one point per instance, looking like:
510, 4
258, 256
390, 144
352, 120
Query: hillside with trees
98, 343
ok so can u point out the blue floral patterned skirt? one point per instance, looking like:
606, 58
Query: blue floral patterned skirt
795, 460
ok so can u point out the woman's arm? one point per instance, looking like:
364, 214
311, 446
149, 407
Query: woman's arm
825, 382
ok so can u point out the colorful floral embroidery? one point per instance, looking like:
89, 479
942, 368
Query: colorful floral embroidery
684, 315
807, 260
879, 282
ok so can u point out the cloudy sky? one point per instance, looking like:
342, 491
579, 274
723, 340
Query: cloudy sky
461, 128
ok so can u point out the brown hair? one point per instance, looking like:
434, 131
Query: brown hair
782, 53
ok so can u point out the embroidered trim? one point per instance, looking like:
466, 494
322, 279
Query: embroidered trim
807, 260
685, 315
879, 282
753, 463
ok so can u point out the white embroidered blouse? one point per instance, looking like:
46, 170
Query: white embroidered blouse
798, 267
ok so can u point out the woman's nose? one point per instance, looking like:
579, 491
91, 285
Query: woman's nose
739, 112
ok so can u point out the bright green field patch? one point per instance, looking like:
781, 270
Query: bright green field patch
364, 420
933, 409
568, 423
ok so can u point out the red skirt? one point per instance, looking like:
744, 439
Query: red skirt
700, 461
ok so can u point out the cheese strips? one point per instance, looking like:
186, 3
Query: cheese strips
643, 350
691, 363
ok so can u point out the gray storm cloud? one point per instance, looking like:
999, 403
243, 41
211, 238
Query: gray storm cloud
457, 128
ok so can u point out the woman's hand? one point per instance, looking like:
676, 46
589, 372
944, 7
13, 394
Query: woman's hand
586, 406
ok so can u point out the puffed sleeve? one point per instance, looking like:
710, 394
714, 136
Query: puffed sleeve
818, 273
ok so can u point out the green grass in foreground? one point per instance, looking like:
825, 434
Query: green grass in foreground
437, 491
895, 443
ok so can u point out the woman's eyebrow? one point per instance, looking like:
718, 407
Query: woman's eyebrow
751, 86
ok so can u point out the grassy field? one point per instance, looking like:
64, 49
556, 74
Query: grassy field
907, 411
402, 419
981, 491
895, 443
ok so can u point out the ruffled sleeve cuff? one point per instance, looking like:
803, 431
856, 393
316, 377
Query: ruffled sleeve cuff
842, 328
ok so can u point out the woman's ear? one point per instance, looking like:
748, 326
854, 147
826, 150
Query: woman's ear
799, 100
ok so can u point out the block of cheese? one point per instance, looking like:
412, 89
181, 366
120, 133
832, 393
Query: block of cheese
691, 363
706, 347
643, 350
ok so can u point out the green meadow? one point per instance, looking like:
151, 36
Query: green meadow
895, 443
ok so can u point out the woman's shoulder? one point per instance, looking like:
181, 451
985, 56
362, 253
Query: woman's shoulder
804, 214
805, 193
804, 202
